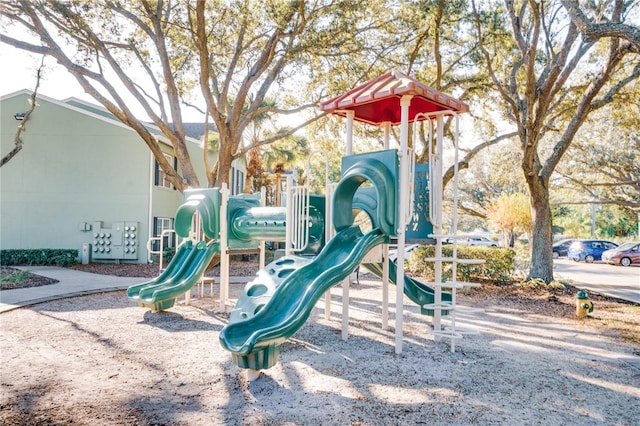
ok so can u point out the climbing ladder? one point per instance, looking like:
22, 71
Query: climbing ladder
451, 330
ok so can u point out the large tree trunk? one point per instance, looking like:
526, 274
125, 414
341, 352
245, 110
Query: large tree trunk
224, 164
542, 237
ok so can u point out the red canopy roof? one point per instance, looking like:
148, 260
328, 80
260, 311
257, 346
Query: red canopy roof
378, 100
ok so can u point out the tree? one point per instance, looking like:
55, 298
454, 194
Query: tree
226, 57
550, 81
438, 49
604, 160
255, 171
593, 29
511, 214
487, 178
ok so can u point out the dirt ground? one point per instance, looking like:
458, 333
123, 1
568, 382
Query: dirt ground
100, 359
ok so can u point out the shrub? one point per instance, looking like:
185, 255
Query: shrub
498, 263
168, 254
59, 257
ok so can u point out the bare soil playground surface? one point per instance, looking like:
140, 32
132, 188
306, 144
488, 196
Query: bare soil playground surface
101, 359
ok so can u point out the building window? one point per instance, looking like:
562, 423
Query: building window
237, 181
161, 224
160, 177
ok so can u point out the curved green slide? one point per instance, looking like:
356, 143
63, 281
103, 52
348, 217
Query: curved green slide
255, 343
184, 270
419, 293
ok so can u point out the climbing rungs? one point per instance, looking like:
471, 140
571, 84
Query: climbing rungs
459, 284
453, 284
438, 307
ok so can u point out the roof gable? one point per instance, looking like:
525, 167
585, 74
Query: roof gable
95, 111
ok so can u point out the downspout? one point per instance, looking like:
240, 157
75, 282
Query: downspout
150, 204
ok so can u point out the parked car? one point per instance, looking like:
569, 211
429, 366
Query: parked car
561, 248
589, 250
625, 254
478, 241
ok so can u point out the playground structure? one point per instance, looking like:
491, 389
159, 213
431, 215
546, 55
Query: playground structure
231, 224
281, 297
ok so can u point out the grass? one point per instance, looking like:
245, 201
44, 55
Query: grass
623, 319
12, 278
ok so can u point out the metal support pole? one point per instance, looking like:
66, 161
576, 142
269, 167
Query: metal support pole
350, 115
328, 234
387, 133
437, 194
345, 308
403, 199
385, 286
224, 247
289, 217
263, 202
385, 250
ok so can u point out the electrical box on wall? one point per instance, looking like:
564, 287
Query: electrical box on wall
115, 242
84, 227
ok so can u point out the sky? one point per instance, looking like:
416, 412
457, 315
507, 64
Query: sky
18, 72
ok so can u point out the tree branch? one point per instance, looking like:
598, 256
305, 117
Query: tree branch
464, 163
277, 136
17, 140
592, 31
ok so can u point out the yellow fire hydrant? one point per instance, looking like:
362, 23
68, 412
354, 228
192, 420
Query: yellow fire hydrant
584, 306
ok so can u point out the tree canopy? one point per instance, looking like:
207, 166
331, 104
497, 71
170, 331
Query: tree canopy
536, 73
222, 57
550, 80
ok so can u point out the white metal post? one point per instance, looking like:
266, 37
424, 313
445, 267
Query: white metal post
350, 115
385, 249
403, 185
437, 214
387, 133
345, 307
385, 286
263, 203
328, 234
224, 247
347, 281
288, 217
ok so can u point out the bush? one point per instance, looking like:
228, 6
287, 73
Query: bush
59, 257
167, 255
498, 265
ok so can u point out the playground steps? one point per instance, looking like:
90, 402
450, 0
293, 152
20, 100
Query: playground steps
453, 331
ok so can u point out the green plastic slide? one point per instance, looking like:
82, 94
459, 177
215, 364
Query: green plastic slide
255, 343
184, 270
419, 293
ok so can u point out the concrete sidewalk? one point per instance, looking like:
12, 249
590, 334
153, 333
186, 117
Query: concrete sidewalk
72, 283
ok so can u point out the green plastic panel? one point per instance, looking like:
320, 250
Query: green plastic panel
381, 170
257, 293
238, 205
259, 223
291, 304
205, 201
317, 223
184, 270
